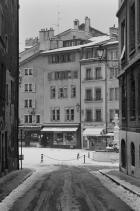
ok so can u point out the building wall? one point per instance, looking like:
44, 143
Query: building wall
62, 103
9, 88
129, 86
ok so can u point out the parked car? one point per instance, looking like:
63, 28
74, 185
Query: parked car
112, 148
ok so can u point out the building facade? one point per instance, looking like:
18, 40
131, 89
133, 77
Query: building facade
8, 85
99, 93
129, 77
49, 100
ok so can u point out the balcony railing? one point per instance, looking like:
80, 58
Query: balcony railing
93, 78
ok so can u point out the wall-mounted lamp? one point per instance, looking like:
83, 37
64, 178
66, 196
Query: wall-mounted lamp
78, 107
100, 52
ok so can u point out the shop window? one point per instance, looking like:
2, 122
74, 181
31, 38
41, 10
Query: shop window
132, 147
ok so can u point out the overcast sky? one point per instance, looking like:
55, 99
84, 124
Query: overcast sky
37, 14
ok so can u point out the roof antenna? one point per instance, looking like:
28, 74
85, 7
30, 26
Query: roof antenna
58, 17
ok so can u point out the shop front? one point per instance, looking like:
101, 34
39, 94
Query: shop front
60, 137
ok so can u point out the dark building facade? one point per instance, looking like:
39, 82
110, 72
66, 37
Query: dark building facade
8, 85
129, 83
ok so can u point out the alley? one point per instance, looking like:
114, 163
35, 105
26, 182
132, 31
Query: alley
67, 189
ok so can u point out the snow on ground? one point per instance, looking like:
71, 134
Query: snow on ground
129, 198
8, 202
51, 156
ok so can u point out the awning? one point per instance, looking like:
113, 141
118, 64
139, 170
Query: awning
93, 132
59, 129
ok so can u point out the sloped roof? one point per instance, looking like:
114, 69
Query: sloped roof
91, 29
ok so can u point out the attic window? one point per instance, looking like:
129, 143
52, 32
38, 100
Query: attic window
76, 23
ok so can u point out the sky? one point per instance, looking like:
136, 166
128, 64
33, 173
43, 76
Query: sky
37, 14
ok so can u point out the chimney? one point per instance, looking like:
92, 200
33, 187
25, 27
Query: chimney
51, 33
76, 24
44, 39
113, 31
87, 24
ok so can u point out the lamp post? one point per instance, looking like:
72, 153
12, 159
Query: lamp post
101, 55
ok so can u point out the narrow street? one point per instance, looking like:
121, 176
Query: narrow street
66, 189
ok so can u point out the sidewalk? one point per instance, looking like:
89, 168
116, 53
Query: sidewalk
131, 184
12, 180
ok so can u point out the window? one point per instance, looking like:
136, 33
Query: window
111, 97
30, 71
75, 74
26, 103
62, 92
138, 20
116, 93
26, 118
97, 94
1, 20
132, 27
37, 118
111, 73
132, 154
30, 87
89, 115
122, 35
30, 103
132, 98
138, 82
98, 73
52, 92
26, 87
98, 115
55, 114
73, 91
30, 118
88, 94
111, 116
88, 74
123, 153
123, 96
69, 114
12, 92
26, 71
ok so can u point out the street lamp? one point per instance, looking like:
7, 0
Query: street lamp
100, 52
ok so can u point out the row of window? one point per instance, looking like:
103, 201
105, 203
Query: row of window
61, 58
89, 74
28, 71
29, 119
28, 103
89, 115
62, 92
89, 94
133, 24
62, 75
28, 87
69, 114
92, 53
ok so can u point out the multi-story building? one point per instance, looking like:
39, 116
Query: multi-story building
8, 85
50, 85
129, 78
99, 91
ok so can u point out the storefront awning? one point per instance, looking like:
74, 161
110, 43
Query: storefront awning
93, 132
59, 129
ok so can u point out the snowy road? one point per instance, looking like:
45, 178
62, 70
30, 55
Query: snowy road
67, 189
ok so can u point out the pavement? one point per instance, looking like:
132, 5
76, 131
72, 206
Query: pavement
130, 183
12, 180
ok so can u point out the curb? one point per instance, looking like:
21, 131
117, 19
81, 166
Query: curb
118, 183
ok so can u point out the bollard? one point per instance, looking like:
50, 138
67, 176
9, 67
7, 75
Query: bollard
84, 158
78, 156
41, 158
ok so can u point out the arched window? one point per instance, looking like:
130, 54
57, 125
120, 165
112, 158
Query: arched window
123, 153
132, 154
